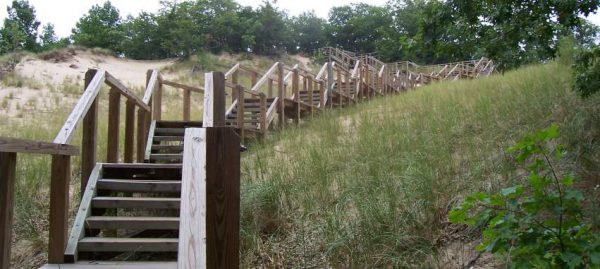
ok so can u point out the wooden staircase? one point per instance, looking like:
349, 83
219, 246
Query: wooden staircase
167, 141
129, 212
251, 115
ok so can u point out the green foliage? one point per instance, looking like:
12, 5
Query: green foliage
586, 72
19, 31
309, 32
100, 28
538, 221
357, 27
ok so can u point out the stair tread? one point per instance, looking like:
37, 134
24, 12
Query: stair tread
135, 202
115, 244
123, 222
139, 185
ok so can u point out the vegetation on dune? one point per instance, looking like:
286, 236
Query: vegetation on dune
372, 185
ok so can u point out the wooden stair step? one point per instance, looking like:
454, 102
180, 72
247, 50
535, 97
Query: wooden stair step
129, 185
166, 156
169, 131
178, 124
136, 202
170, 148
168, 138
110, 244
145, 223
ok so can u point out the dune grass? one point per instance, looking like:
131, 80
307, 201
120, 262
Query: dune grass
365, 186
371, 185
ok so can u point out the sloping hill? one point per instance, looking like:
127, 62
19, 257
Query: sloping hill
372, 185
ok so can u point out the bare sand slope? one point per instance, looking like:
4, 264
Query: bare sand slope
72, 64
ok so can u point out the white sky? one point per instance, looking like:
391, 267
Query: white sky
65, 13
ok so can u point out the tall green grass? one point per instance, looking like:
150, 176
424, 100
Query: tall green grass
371, 186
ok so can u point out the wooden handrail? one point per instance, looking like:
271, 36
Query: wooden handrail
115, 83
182, 86
16, 145
81, 108
152, 83
233, 69
265, 77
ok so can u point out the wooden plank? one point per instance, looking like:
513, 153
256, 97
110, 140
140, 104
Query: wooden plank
114, 112
281, 93
192, 227
233, 72
129, 131
141, 136
256, 85
16, 145
59, 207
240, 113
139, 185
8, 164
132, 223
222, 198
182, 86
214, 99
115, 83
168, 131
165, 157
295, 85
164, 138
150, 140
78, 229
111, 265
136, 202
86, 100
151, 81
109, 244
263, 115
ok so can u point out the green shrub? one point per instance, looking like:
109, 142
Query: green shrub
586, 72
537, 222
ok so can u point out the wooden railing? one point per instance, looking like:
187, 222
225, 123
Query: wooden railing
59, 191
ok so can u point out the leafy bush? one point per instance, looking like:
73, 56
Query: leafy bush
586, 72
537, 222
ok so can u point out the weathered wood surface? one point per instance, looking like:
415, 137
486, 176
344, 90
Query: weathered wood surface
8, 164
59, 207
16, 145
85, 102
151, 83
192, 227
114, 112
182, 86
111, 265
214, 99
222, 198
115, 83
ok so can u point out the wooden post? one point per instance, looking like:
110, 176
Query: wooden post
89, 137
240, 112
210, 202
129, 130
329, 83
339, 89
310, 95
263, 114
114, 105
234, 81
222, 198
59, 207
254, 78
141, 135
8, 164
270, 87
281, 93
322, 95
186, 105
296, 93
157, 100
214, 99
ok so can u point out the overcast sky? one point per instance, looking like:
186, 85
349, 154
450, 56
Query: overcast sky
65, 13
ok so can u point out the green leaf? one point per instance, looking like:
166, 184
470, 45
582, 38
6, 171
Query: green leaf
508, 191
595, 258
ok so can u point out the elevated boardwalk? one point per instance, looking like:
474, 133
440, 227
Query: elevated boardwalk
171, 199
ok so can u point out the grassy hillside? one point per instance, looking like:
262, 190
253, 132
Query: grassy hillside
372, 185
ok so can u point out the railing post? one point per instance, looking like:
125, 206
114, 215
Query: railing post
8, 164
329, 83
89, 137
214, 99
129, 131
186, 104
240, 112
296, 92
157, 102
59, 207
114, 108
141, 135
270, 87
281, 93
234, 81
263, 114
339, 86
322, 95
310, 95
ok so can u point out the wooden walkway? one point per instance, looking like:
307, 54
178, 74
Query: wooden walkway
172, 197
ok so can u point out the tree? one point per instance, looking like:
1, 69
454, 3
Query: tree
49, 40
309, 32
269, 30
142, 40
20, 28
357, 27
101, 28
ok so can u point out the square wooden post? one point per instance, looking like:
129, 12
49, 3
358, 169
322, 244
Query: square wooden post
114, 113
129, 131
8, 164
59, 207
89, 137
